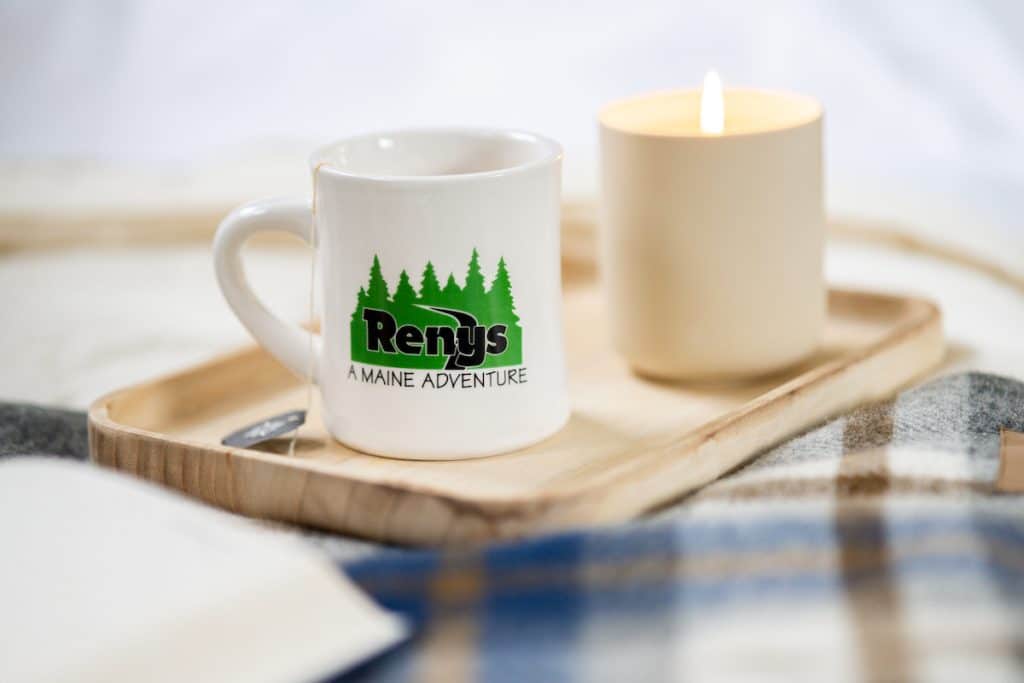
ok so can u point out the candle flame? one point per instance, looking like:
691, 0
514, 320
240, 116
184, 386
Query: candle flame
712, 105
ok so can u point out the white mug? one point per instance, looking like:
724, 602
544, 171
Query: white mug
442, 328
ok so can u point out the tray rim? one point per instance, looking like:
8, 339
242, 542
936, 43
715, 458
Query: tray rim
926, 314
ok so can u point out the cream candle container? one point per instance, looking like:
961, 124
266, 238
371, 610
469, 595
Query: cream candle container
712, 231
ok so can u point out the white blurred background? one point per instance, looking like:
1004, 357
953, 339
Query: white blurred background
910, 87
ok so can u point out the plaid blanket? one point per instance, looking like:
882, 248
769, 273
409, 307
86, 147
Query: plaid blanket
870, 548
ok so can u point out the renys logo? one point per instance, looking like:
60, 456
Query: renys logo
449, 328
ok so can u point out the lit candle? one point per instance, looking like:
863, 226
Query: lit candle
713, 230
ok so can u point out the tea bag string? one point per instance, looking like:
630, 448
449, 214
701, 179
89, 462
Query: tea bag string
313, 244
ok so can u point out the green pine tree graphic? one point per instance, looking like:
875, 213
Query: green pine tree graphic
500, 294
430, 288
377, 292
405, 295
493, 306
451, 295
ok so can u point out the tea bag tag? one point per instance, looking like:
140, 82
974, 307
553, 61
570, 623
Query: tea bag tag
1011, 462
265, 430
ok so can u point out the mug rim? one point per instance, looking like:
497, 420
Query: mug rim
552, 153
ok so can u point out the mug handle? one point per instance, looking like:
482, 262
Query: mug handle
289, 343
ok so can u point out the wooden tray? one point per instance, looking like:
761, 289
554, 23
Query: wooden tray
631, 445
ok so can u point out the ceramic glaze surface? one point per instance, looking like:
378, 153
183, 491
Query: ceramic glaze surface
442, 329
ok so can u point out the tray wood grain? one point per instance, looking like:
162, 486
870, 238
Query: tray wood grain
632, 444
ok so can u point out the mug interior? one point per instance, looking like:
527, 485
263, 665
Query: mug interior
436, 153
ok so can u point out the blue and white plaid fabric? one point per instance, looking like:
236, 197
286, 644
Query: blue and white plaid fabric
870, 548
